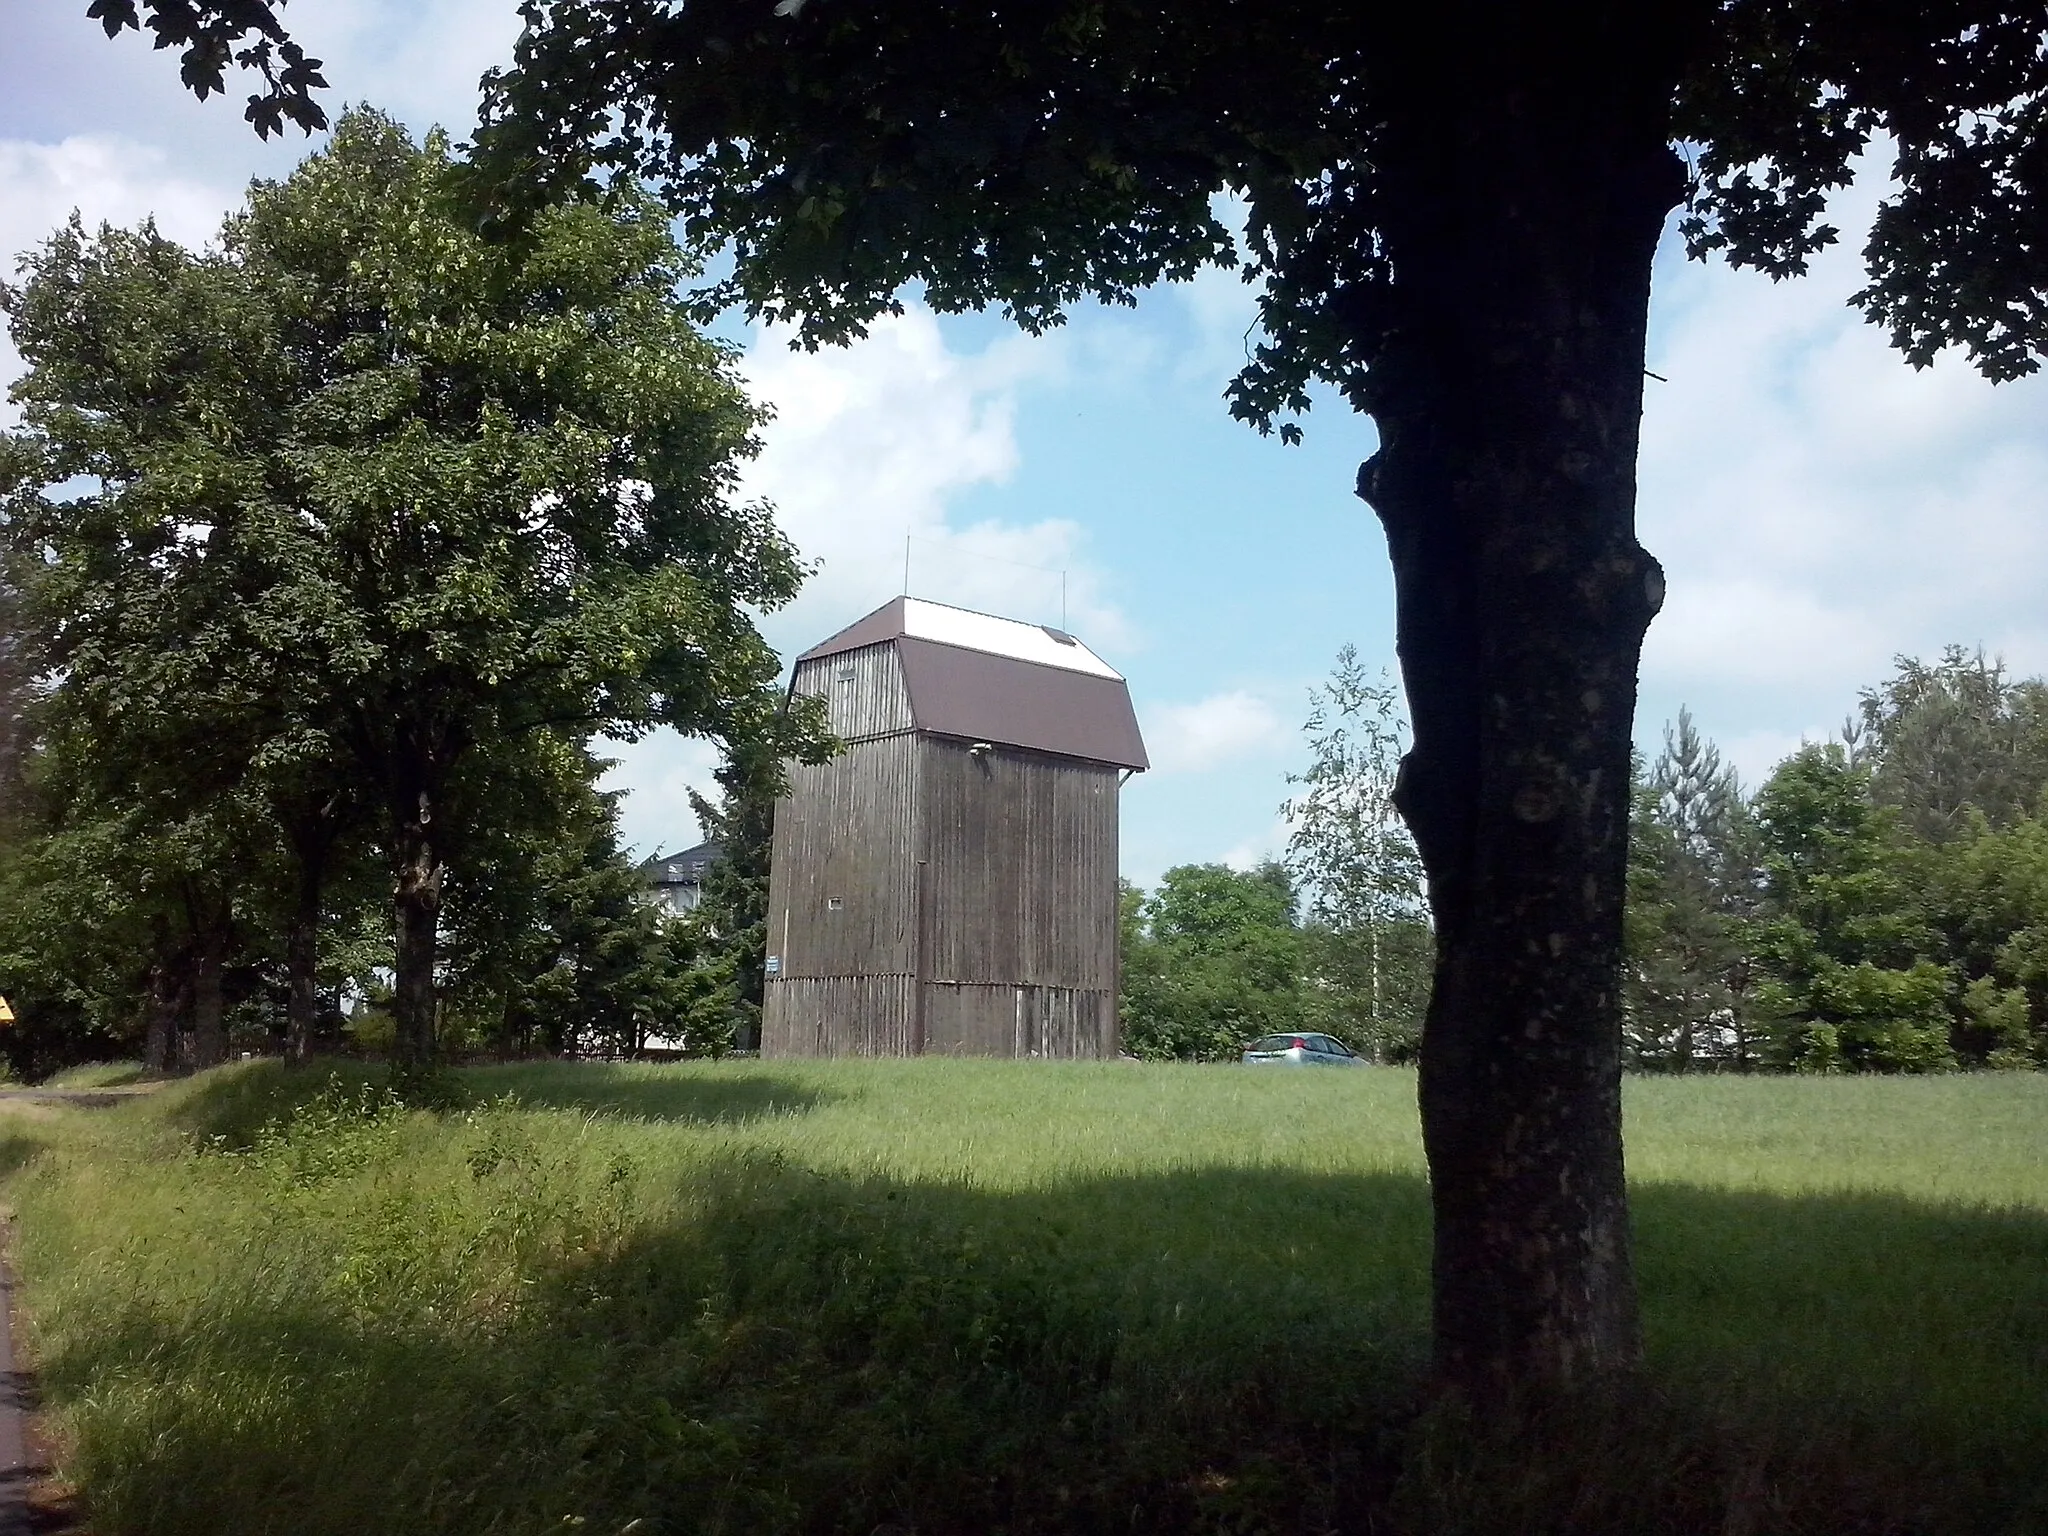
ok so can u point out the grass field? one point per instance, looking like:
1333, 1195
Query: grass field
948, 1296
99, 1074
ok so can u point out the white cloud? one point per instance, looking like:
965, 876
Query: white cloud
1191, 738
1220, 310
873, 443
1755, 753
1260, 848
1223, 312
107, 179
659, 771
420, 62
157, 151
1820, 506
1751, 629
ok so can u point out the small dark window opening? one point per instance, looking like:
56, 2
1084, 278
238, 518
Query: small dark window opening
1060, 635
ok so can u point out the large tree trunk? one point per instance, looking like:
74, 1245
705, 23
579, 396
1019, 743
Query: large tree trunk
165, 1001
302, 947
1508, 396
302, 978
209, 1002
416, 922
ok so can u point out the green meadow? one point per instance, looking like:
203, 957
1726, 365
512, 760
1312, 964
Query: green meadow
940, 1296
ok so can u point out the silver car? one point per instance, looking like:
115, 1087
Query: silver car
1304, 1050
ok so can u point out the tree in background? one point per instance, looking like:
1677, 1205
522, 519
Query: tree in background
731, 919
1954, 736
1692, 889
1986, 891
554, 945
1211, 960
95, 943
1865, 912
17, 687
176, 632
1845, 948
373, 507
527, 897
1141, 973
1367, 936
527, 482
1959, 750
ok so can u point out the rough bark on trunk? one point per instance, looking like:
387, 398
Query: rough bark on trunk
209, 1003
1508, 397
160, 1021
302, 1000
302, 952
416, 919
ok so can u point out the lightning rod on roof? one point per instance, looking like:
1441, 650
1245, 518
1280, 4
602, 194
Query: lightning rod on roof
974, 554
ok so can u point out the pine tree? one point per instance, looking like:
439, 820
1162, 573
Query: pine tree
1692, 885
1956, 734
732, 917
730, 924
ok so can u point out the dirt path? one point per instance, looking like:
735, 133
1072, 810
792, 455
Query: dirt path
15, 1472
33, 1502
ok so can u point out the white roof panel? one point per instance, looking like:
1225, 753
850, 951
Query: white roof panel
1001, 637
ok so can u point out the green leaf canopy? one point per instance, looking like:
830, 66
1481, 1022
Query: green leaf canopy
361, 494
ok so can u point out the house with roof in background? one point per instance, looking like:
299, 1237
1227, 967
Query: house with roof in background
675, 881
947, 884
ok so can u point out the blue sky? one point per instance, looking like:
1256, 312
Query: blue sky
1819, 506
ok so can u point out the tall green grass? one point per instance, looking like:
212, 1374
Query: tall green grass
99, 1074
953, 1296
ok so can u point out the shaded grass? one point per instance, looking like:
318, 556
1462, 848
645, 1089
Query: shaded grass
226, 1108
99, 1074
944, 1296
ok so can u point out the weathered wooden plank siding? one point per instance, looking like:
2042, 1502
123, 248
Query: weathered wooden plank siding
863, 691
963, 1019
925, 897
842, 906
839, 1016
840, 837
1022, 852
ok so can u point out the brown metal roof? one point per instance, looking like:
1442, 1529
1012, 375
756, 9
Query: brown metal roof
885, 623
1071, 709
980, 697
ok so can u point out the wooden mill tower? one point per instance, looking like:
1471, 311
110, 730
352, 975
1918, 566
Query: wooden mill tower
948, 883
